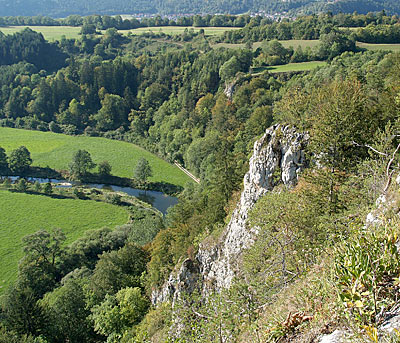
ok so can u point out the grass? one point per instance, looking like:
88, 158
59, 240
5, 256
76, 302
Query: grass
303, 66
23, 214
310, 43
374, 47
286, 43
50, 33
53, 33
176, 30
56, 151
300, 42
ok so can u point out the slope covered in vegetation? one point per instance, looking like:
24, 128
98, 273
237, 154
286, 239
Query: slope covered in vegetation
204, 108
62, 9
56, 151
72, 216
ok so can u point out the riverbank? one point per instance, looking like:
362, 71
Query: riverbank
112, 180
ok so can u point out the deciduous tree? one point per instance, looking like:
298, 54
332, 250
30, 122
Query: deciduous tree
81, 164
143, 170
20, 160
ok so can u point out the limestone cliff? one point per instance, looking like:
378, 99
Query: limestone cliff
278, 157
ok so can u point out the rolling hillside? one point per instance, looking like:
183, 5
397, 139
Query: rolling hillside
58, 8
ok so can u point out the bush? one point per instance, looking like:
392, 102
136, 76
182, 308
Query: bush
104, 168
6, 183
367, 270
79, 194
54, 127
48, 188
37, 186
114, 199
22, 185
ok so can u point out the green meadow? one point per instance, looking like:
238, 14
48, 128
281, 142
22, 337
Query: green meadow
390, 47
50, 33
56, 150
286, 43
176, 30
303, 66
310, 43
23, 214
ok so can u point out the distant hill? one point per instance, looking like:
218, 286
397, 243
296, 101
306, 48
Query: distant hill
63, 8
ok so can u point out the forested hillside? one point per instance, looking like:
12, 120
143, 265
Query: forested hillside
272, 245
56, 8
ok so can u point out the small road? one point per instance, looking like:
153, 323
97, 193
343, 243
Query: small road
187, 172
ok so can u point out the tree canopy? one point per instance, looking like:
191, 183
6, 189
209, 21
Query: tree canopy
142, 170
19, 160
81, 164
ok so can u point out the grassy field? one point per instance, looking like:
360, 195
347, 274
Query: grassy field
50, 33
23, 214
300, 42
175, 30
286, 43
56, 151
304, 66
390, 47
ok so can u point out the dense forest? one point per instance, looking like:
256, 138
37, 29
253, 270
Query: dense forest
59, 9
187, 101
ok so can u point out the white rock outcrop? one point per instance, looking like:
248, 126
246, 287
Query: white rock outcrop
337, 336
278, 158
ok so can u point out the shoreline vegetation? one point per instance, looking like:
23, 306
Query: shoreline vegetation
78, 204
73, 214
52, 153
49, 173
294, 161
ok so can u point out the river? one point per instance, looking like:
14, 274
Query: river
158, 200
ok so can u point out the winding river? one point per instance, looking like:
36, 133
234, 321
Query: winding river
158, 200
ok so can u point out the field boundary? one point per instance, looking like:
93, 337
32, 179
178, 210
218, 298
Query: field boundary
187, 172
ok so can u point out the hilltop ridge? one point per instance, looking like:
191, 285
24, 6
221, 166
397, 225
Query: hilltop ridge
57, 8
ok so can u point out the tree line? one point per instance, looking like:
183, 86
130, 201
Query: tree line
173, 102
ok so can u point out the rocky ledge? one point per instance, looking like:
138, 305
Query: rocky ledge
278, 158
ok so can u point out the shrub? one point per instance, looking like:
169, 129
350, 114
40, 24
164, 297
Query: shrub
114, 199
367, 272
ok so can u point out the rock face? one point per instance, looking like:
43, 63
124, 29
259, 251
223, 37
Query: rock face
278, 157
338, 336
382, 205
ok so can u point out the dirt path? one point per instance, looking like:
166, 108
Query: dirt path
188, 173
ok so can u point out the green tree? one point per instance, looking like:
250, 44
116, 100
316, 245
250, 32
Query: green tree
88, 29
229, 69
117, 314
67, 313
142, 170
7, 336
44, 246
37, 186
19, 160
342, 117
113, 113
22, 185
81, 164
20, 312
3, 160
7, 183
48, 188
104, 168
118, 269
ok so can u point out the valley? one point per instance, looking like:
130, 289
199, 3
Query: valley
23, 214
56, 150
276, 137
